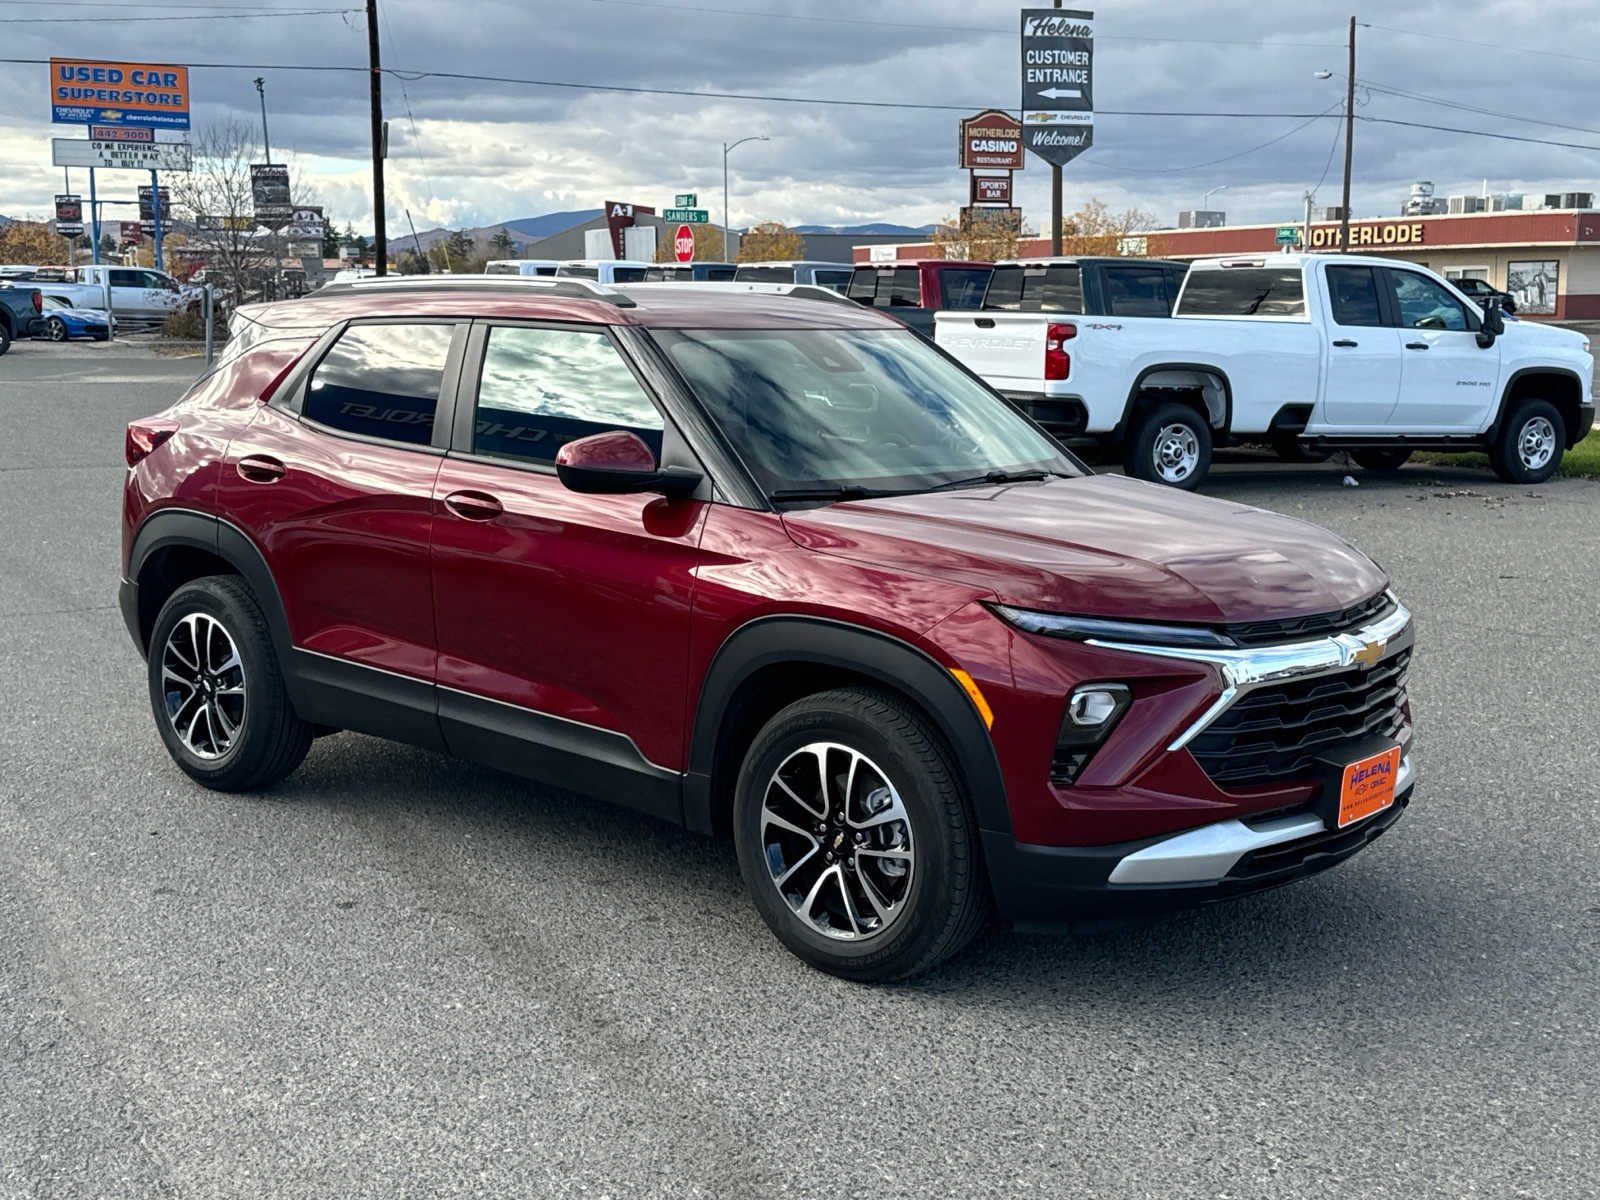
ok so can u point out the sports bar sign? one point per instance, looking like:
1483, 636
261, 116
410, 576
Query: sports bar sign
992, 140
86, 91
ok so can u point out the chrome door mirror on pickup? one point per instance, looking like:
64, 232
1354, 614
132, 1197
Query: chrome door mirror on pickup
1494, 324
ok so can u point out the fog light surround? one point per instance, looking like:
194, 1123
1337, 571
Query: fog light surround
1093, 710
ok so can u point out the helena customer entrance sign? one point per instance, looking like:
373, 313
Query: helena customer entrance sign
1057, 83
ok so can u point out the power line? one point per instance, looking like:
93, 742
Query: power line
1385, 89
231, 16
1497, 46
1009, 31
1504, 137
1228, 157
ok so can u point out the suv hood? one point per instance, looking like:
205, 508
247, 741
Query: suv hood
1102, 545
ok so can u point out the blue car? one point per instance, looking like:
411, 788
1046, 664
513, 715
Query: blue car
63, 321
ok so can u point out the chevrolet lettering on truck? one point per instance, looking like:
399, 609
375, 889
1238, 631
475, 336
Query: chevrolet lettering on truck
765, 565
1308, 353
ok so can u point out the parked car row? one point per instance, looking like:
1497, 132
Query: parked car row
609, 271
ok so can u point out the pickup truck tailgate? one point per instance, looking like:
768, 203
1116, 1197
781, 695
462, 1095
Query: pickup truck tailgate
1006, 349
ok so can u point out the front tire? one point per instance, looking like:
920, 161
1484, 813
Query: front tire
1381, 458
855, 837
1529, 446
57, 329
5, 339
216, 689
1171, 445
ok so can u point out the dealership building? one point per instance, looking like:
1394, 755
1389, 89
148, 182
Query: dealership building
1548, 258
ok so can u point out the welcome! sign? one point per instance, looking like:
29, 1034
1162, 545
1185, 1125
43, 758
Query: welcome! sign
83, 90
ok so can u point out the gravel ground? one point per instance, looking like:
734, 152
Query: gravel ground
399, 975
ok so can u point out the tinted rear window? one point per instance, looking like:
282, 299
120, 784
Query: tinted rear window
1243, 292
381, 381
1056, 288
1137, 292
962, 287
765, 275
832, 279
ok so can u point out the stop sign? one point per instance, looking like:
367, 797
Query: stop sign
683, 244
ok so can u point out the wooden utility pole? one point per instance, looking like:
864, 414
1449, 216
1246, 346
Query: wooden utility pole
380, 242
1055, 196
1349, 133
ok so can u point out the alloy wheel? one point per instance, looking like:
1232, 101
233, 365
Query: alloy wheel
1176, 452
203, 685
1536, 444
58, 329
837, 841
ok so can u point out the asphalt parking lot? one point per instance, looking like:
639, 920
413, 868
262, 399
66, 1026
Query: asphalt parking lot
399, 975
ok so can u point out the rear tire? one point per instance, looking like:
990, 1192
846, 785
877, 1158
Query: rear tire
1170, 444
1530, 443
216, 690
843, 882
1381, 458
5, 339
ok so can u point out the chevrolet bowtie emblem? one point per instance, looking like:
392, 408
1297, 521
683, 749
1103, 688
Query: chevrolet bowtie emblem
1368, 654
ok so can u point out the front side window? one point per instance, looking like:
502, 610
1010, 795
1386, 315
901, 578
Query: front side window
577, 271
863, 285
1353, 296
128, 279
905, 289
764, 274
720, 274
628, 274
1054, 288
381, 381
1137, 291
877, 409
1425, 304
541, 388
1243, 292
832, 279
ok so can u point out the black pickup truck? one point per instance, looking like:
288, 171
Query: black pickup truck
21, 313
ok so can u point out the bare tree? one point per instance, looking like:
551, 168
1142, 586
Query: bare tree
216, 195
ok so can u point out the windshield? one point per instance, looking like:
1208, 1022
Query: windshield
881, 410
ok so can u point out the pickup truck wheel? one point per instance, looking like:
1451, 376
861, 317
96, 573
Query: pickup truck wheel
1528, 447
216, 689
5, 339
1171, 444
1381, 458
855, 838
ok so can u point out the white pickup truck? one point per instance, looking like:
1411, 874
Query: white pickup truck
137, 293
1308, 353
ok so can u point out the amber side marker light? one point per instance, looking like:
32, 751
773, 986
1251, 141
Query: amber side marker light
970, 686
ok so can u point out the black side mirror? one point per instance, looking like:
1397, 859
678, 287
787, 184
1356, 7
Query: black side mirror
617, 463
1493, 323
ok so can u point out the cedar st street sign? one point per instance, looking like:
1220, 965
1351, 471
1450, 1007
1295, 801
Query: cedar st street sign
1057, 82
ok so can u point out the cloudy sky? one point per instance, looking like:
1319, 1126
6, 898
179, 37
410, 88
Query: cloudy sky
481, 152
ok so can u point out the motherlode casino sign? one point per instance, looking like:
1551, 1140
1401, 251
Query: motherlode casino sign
992, 140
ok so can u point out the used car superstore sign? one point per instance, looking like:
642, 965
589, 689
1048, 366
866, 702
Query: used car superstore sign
136, 93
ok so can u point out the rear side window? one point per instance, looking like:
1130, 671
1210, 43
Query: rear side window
905, 289
832, 279
130, 279
381, 381
1137, 291
1055, 288
628, 274
576, 272
541, 388
1353, 296
1244, 292
765, 275
722, 273
962, 287
863, 285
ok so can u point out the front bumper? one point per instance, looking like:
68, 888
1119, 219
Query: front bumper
1068, 885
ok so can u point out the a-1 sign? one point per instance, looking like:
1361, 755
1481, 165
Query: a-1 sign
692, 216
1057, 82
683, 244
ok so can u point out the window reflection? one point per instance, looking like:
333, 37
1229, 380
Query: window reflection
381, 381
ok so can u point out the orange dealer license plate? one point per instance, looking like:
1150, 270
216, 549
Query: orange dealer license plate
1367, 786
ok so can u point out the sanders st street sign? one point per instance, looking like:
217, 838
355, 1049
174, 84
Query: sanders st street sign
1057, 82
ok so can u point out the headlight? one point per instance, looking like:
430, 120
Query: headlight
1093, 711
1083, 629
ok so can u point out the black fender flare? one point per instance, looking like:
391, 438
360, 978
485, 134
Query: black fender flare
1504, 406
1138, 386
820, 641
169, 527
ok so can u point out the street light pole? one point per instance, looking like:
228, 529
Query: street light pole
727, 253
1205, 197
1349, 133
266, 142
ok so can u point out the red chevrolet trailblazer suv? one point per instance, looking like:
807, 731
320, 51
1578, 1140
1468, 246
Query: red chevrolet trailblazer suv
761, 563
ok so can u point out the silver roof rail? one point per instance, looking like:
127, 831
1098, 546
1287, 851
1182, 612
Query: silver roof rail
580, 289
